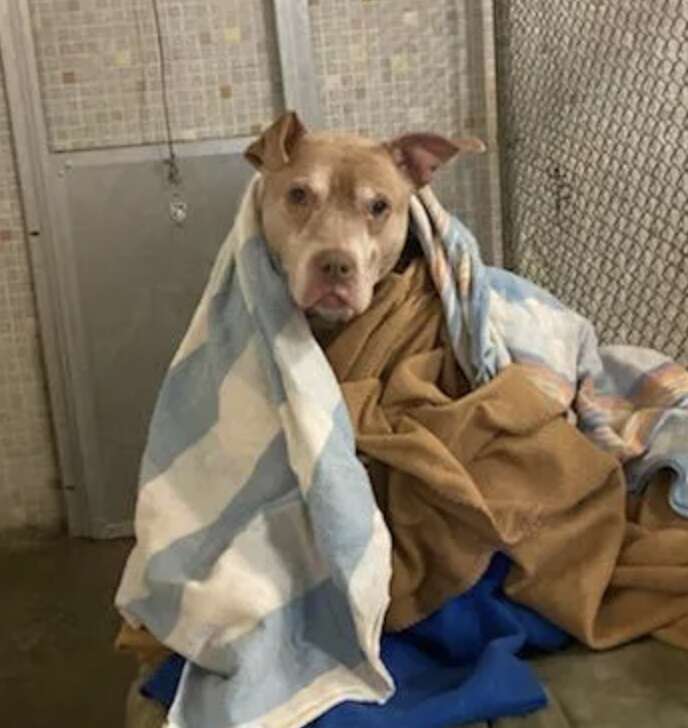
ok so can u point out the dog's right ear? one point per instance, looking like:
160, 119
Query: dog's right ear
273, 148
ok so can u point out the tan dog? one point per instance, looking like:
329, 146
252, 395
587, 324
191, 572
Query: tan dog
335, 208
335, 213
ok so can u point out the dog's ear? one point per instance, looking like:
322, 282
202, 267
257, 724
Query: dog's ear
419, 155
274, 146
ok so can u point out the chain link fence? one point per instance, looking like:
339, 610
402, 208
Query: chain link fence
594, 132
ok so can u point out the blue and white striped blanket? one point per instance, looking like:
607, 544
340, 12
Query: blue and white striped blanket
260, 553
632, 402
261, 556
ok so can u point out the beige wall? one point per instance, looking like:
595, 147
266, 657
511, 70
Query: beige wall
384, 67
98, 62
29, 495
390, 66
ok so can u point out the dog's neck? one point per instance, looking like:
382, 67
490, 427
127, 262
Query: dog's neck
325, 332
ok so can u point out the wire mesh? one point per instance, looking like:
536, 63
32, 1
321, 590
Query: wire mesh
594, 130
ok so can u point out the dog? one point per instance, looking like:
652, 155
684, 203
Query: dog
334, 214
335, 209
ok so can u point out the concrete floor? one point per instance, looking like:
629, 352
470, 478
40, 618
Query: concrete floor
57, 666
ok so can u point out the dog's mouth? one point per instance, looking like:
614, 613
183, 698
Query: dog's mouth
333, 301
334, 304
328, 297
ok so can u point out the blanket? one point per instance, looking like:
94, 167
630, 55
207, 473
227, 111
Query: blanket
640, 684
632, 402
457, 666
261, 555
462, 474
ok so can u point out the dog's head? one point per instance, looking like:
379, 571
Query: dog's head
335, 208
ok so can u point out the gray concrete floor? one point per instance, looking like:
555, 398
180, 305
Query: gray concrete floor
58, 668
57, 665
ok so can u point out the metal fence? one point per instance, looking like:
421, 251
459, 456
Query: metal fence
594, 131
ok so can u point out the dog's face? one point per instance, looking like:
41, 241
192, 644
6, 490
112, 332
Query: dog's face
335, 208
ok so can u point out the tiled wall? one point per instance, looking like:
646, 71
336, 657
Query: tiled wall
100, 74
389, 66
29, 494
385, 66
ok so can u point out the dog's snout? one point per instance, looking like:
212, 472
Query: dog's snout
336, 265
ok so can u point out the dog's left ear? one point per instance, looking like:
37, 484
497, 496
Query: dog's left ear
273, 148
419, 155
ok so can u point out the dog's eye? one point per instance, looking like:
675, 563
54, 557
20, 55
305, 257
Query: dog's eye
378, 207
298, 195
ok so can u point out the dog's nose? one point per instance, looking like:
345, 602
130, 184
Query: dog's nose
336, 265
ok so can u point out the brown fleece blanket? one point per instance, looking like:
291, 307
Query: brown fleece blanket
461, 475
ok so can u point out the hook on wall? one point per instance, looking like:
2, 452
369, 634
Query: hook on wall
178, 207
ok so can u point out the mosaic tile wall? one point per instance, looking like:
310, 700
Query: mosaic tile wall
389, 66
385, 66
100, 74
29, 495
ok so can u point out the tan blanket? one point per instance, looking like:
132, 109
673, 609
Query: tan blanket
460, 476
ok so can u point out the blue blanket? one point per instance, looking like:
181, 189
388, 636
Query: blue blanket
458, 666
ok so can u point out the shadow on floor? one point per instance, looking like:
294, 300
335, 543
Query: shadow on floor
57, 665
